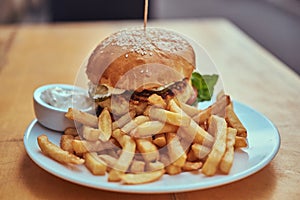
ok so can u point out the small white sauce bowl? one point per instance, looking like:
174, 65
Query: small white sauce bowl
49, 116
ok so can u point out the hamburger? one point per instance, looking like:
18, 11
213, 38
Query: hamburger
132, 64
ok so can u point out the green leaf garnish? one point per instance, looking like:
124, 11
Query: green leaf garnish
204, 85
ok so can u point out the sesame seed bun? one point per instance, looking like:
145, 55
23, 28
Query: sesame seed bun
135, 59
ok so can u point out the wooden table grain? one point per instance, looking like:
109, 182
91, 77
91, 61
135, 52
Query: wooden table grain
33, 55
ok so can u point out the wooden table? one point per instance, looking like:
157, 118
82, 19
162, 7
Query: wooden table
33, 55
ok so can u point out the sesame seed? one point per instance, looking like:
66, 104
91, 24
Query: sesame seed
141, 42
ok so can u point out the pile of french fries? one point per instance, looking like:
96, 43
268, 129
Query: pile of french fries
170, 137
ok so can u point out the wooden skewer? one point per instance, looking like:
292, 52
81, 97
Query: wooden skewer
145, 14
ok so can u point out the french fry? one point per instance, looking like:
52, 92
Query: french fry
112, 152
157, 101
84, 146
217, 127
227, 160
193, 130
153, 166
218, 108
147, 149
160, 140
173, 170
126, 157
105, 125
164, 158
137, 166
108, 159
123, 120
202, 116
200, 151
90, 134
177, 119
66, 143
150, 128
188, 109
134, 123
56, 153
140, 178
94, 164
240, 142
199, 134
234, 122
191, 157
71, 131
82, 117
176, 153
191, 166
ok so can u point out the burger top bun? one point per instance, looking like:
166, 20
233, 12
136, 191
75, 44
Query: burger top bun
134, 59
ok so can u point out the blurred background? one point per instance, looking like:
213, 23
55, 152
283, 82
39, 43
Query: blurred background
274, 24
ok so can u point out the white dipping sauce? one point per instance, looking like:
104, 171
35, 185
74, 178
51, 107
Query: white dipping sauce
65, 98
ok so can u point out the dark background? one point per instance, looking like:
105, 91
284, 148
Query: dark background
82, 10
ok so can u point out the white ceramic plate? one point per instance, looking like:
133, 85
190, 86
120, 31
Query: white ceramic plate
263, 138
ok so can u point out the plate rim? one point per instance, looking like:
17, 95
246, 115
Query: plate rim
140, 190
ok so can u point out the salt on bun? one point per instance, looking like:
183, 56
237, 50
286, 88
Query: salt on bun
131, 58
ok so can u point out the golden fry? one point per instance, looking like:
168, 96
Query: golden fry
145, 177
192, 166
150, 128
134, 123
137, 166
177, 119
153, 166
123, 120
94, 164
126, 157
173, 170
56, 153
90, 134
234, 122
160, 140
105, 125
83, 146
240, 142
66, 143
108, 159
227, 160
217, 127
193, 130
200, 151
202, 116
82, 117
71, 131
191, 157
218, 108
176, 153
188, 109
147, 149
157, 101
